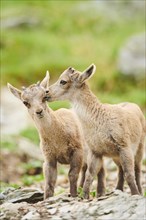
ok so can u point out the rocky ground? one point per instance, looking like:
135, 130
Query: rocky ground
27, 204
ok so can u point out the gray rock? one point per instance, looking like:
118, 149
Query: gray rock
117, 205
13, 112
12, 211
92, 210
9, 190
52, 211
131, 59
67, 199
32, 215
15, 22
2, 196
28, 148
114, 11
55, 199
56, 218
24, 195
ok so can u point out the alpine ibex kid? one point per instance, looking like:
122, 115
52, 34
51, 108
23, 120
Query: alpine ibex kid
115, 131
61, 138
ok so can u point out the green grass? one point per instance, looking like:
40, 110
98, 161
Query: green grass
59, 104
4, 186
62, 190
31, 165
70, 33
9, 144
30, 133
63, 169
29, 180
144, 162
80, 193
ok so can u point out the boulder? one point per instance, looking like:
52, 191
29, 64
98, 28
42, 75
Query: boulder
29, 195
131, 59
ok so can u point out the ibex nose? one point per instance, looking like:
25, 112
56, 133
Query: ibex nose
38, 112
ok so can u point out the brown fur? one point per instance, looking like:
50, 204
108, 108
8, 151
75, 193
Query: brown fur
61, 138
115, 131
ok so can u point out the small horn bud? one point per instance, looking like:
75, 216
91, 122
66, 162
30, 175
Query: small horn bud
71, 69
23, 88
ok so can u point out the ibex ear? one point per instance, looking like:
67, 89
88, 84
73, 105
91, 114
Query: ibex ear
88, 73
45, 82
14, 91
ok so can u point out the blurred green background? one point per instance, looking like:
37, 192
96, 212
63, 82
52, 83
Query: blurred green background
58, 34
52, 35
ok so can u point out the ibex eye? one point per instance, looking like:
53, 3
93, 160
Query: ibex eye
62, 82
47, 91
26, 104
46, 98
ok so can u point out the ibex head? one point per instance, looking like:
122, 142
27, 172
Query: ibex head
69, 82
33, 97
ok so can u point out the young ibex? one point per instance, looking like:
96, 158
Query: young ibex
116, 131
61, 137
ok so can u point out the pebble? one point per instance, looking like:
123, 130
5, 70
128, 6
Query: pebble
52, 211
32, 215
